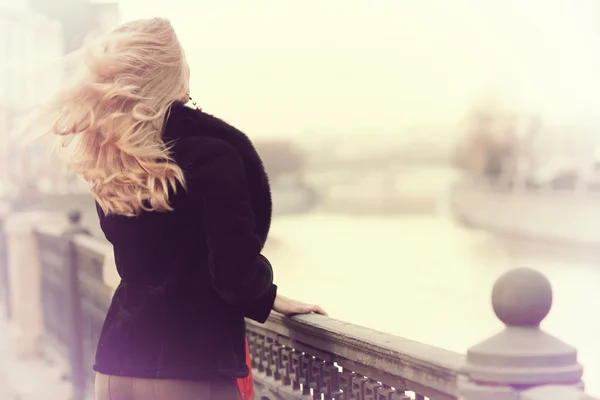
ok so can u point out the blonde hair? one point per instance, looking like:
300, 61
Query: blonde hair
113, 117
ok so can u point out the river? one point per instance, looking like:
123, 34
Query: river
426, 278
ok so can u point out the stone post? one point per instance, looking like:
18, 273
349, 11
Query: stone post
75, 226
25, 278
4, 273
553, 392
523, 362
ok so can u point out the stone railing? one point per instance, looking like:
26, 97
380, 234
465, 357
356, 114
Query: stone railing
61, 284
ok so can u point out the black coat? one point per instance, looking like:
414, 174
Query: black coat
189, 277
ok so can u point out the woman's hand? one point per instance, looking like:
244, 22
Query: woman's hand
289, 307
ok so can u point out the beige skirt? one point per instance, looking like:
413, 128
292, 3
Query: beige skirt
122, 388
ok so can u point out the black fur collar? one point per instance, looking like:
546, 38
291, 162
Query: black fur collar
184, 121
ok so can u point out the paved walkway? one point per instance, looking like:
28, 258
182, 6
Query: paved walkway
32, 379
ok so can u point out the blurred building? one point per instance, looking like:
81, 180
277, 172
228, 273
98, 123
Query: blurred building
34, 35
80, 19
30, 46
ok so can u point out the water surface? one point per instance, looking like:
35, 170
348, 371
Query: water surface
427, 279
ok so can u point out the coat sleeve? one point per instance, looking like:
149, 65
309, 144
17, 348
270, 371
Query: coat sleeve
216, 179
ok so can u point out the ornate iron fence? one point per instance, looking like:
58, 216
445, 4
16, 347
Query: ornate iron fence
310, 356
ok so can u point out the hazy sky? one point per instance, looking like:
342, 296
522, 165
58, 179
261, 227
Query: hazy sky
282, 67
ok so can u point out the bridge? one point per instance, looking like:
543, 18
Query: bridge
56, 283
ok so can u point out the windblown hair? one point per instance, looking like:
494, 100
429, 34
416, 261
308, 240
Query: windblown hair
113, 117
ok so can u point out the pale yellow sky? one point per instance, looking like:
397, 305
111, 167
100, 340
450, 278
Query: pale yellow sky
282, 67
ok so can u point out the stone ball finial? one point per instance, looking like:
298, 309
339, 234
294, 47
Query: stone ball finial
522, 298
74, 217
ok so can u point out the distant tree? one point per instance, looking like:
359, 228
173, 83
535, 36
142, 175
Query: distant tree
489, 145
472, 148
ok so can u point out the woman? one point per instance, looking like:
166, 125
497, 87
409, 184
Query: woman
185, 201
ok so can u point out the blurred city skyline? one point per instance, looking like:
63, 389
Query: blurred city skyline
314, 69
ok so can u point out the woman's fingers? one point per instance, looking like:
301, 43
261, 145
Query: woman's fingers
294, 307
318, 310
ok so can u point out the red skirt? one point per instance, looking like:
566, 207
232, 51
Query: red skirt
246, 385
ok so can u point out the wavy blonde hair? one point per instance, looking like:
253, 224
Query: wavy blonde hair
112, 117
